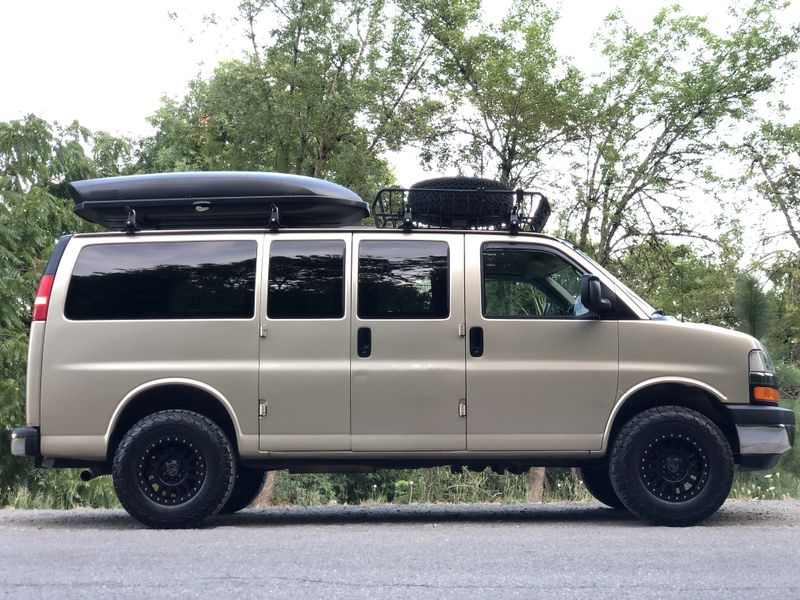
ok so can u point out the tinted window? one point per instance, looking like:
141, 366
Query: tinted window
523, 283
306, 280
164, 280
405, 280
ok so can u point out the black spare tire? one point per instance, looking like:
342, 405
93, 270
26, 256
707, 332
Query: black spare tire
460, 202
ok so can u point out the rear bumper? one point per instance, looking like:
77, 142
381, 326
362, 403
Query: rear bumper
765, 434
25, 441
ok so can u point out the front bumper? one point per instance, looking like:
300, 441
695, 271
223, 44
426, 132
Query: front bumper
765, 434
25, 441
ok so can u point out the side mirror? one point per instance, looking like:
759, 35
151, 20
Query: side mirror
592, 296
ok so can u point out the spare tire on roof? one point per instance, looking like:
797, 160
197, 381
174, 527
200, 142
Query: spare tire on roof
479, 203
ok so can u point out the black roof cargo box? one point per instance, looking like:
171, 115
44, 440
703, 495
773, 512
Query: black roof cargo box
213, 200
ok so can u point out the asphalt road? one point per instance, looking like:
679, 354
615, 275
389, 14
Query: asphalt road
576, 550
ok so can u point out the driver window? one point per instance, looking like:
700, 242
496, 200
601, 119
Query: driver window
522, 283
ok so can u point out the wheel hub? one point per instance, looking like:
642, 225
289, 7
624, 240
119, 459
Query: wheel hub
674, 467
171, 470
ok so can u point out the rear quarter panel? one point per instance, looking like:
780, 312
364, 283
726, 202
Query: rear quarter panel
89, 367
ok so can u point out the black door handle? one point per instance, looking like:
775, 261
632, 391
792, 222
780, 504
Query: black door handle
476, 341
364, 342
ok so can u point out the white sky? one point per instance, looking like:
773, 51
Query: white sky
107, 63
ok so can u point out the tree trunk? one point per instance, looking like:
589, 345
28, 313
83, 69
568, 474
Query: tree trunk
576, 482
535, 484
264, 498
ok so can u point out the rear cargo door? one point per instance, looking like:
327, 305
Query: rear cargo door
304, 381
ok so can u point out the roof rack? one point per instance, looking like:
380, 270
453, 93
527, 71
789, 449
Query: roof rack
214, 200
477, 208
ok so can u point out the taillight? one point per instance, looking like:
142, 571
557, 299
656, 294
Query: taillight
42, 298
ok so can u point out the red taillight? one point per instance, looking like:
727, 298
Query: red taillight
42, 298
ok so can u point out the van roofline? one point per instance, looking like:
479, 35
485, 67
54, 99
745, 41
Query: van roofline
317, 230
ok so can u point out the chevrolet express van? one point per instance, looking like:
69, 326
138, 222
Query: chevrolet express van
233, 323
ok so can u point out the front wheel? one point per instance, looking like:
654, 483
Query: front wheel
671, 466
173, 469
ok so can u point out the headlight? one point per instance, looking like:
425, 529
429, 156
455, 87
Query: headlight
760, 362
763, 382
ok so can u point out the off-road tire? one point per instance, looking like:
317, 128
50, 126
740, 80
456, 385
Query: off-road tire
245, 489
160, 449
671, 466
597, 481
473, 208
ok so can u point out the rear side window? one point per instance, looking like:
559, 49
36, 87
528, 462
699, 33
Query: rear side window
403, 280
164, 280
306, 280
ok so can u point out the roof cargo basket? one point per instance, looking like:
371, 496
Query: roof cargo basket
461, 203
215, 200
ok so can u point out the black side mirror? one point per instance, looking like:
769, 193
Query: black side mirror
592, 296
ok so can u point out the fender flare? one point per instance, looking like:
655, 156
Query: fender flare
157, 383
685, 381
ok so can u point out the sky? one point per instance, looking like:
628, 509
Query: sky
107, 63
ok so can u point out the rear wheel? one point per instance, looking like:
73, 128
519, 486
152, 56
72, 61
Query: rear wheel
245, 489
597, 480
671, 466
173, 469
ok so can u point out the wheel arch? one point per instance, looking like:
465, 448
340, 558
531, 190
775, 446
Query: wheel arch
674, 391
168, 394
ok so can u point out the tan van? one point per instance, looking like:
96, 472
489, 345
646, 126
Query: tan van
236, 323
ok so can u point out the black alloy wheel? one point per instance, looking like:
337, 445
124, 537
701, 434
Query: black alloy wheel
674, 467
171, 470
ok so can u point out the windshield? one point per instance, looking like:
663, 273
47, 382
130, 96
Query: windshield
633, 296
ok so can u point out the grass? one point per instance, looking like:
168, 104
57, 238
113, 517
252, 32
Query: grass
63, 489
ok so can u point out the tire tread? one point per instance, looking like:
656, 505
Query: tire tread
638, 503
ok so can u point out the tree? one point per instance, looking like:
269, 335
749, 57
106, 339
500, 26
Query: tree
752, 306
773, 153
510, 103
651, 123
784, 296
683, 280
326, 90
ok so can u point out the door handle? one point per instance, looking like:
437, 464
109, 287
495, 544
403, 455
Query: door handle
364, 342
476, 341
